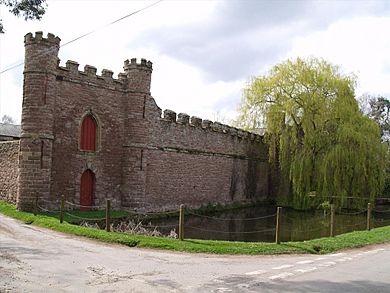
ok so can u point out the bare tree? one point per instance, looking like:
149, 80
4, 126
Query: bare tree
6, 119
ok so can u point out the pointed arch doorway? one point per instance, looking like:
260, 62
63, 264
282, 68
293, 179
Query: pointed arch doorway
87, 184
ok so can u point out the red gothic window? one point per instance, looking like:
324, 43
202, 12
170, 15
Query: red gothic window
88, 134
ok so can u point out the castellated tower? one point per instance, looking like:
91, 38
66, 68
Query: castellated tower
138, 94
137, 128
35, 157
138, 75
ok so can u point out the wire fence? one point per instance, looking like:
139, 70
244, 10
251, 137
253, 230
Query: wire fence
270, 224
230, 232
232, 219
352, 213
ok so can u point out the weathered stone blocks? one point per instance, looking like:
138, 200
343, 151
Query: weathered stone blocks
141, 158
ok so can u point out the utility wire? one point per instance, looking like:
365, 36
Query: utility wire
92, 31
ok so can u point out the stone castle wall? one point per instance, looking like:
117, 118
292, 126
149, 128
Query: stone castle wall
144, 158
9, 151
195, 162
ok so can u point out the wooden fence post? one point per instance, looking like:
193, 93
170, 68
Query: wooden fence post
332, 213
62, 208
278, 224
181, 223
369, 209
36, 205
108, 208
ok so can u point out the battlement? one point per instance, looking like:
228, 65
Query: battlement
71, 72
132, 64
42, 55
196, 122
38, 38
89, 74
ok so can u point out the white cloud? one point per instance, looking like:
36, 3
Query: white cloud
360, 45
204, 51
107, 48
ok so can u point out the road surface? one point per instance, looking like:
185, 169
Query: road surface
34, 259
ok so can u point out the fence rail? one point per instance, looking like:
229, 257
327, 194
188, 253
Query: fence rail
278, 217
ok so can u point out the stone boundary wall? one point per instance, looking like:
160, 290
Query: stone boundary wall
195, 162
207, 136
9, 152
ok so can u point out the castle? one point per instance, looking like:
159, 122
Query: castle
91, 137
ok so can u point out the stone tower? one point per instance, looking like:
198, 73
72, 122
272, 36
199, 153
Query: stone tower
137, 134
36, 143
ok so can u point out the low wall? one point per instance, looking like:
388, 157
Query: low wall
9, 151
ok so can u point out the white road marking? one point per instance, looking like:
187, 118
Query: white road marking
319, 258
282, 267
336, 254
224, 290
281, 276
306, 270
373, 251
303, 262
343, 259
259, 272
327, 264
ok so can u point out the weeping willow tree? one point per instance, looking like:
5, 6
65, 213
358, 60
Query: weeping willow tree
323, 146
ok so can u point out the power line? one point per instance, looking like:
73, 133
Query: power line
91, 32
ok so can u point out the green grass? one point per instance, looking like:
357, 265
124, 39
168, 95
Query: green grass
323, 245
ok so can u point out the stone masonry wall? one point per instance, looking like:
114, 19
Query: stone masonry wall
143, 159
9, 170
195, 162
78, 94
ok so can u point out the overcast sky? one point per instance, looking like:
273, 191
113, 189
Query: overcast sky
204, 52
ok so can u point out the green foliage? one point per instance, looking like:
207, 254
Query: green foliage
317, 136
324, 205
30, 9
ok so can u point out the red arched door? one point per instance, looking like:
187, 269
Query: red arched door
86, 190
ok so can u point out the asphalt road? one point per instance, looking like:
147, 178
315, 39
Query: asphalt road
38, 260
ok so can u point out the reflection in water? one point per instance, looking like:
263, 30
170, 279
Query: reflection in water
258, 224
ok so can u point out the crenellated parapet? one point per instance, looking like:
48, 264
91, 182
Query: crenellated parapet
38, 38
132, 64
41, 54
70, 72
135, 78
170, 116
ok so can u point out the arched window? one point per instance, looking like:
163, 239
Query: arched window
88, 134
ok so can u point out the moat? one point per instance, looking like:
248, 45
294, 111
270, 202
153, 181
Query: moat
258, 224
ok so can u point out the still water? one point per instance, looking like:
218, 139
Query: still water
258, 224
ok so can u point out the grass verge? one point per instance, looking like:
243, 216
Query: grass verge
322, 245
